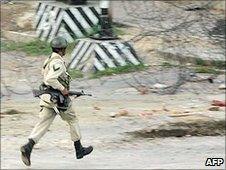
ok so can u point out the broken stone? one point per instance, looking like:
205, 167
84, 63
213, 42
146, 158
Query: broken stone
222, 87
120, 113
96, 108
219, 103
12, 112
145, 113
176, 112
143, 90
214, 108
127, 90
26, 21
113, 114
180, 129
159, 86
187, 111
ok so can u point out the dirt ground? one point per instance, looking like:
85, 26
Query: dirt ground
12, 11
111, 118
103, 125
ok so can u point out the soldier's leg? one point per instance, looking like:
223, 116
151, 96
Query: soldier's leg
70, 117
46, 118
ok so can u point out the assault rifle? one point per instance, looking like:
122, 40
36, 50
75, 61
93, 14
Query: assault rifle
38, 93
75, 93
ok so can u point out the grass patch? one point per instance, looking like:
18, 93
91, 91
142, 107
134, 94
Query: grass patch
33, 48
214, 63
75, 73
219, 64
200, 62
119, 70
118, 31
208, 70
168, 65
94, 30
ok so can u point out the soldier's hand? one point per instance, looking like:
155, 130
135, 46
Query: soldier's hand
65, 92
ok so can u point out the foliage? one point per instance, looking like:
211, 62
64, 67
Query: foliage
33, 48
168, 65
118, 30
75, 73
119, 70
199, 61
203, 69
219, 64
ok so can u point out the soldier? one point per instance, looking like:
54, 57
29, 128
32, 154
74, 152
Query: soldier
57, 79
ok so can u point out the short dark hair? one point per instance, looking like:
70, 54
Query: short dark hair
56, 50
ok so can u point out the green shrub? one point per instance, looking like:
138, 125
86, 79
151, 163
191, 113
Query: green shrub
33, 48
209, 70
75, 73
200, 62
219, 64
119, 70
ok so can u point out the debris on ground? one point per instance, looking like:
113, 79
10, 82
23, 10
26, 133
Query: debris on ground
12, 112
119, 114
159, 86
222, 87
96, 108
214, 108
219, 103
181, 129
145, 113
128, 90
180, 115
143, 90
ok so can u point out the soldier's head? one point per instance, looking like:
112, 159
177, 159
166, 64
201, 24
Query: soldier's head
59, 45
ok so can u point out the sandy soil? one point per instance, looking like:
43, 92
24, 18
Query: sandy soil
114, 147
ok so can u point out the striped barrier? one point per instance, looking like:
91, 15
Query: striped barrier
70, 22
99, 55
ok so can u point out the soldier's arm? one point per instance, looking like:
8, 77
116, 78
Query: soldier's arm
56, 69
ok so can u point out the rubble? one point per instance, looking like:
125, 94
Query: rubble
159, 86
120, 113
26, 21
143, 90
214, 108
181, 129
129, 90
222, 87
12, 112
219, 103
96, 108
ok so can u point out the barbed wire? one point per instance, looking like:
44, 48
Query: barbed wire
170, 21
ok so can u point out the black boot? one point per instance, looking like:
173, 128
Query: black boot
82, 151
26, 152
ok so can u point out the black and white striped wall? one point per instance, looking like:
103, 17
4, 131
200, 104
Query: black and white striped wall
71, 22
99, 55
